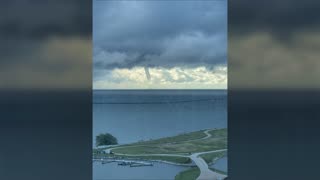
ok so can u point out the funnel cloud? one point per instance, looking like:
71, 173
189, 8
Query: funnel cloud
146, 69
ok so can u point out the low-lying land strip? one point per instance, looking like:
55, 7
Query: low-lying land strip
210, 157
190, 174
201, 147
185, 144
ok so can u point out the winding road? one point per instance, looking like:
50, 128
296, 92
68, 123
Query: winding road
205, 172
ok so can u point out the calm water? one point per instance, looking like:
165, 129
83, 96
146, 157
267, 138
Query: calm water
158, 171
221, 164
141, 115
133, 115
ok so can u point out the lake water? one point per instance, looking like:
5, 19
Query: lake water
221, 164
141, 115
158, 171
134, 115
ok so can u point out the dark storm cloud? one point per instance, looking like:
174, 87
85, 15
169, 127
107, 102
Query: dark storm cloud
39, 19
159, 33
45, 44
281, 17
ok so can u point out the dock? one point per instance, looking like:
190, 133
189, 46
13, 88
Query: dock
140, 164
134, 163
122, 162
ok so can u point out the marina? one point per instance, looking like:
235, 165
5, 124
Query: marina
130, 163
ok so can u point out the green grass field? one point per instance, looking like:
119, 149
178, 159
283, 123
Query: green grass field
173, 139
184, 144
179, 144
190, 174
218, 171
219, 133
193, 173
212, 156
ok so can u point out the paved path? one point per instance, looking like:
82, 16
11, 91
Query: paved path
207, 133
205, 172
206, 137
172, 155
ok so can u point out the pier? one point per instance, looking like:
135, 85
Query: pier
122, 162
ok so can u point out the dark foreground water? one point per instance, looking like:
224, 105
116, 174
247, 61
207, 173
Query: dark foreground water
134, 115
158, 171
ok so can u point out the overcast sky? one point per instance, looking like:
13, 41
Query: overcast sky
47, 44
159, 44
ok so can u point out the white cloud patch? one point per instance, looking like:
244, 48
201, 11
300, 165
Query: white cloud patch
163, 78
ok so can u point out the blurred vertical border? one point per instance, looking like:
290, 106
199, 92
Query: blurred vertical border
45, 89
274, 97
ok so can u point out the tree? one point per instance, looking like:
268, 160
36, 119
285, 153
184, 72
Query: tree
106, 139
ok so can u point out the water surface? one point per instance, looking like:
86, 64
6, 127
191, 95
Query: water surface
221, 164
158, 171
149, 114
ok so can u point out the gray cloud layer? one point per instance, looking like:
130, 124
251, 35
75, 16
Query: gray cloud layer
39, 19
282, 18
159, 33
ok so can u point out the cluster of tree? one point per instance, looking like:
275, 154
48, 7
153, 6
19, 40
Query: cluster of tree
106, 139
